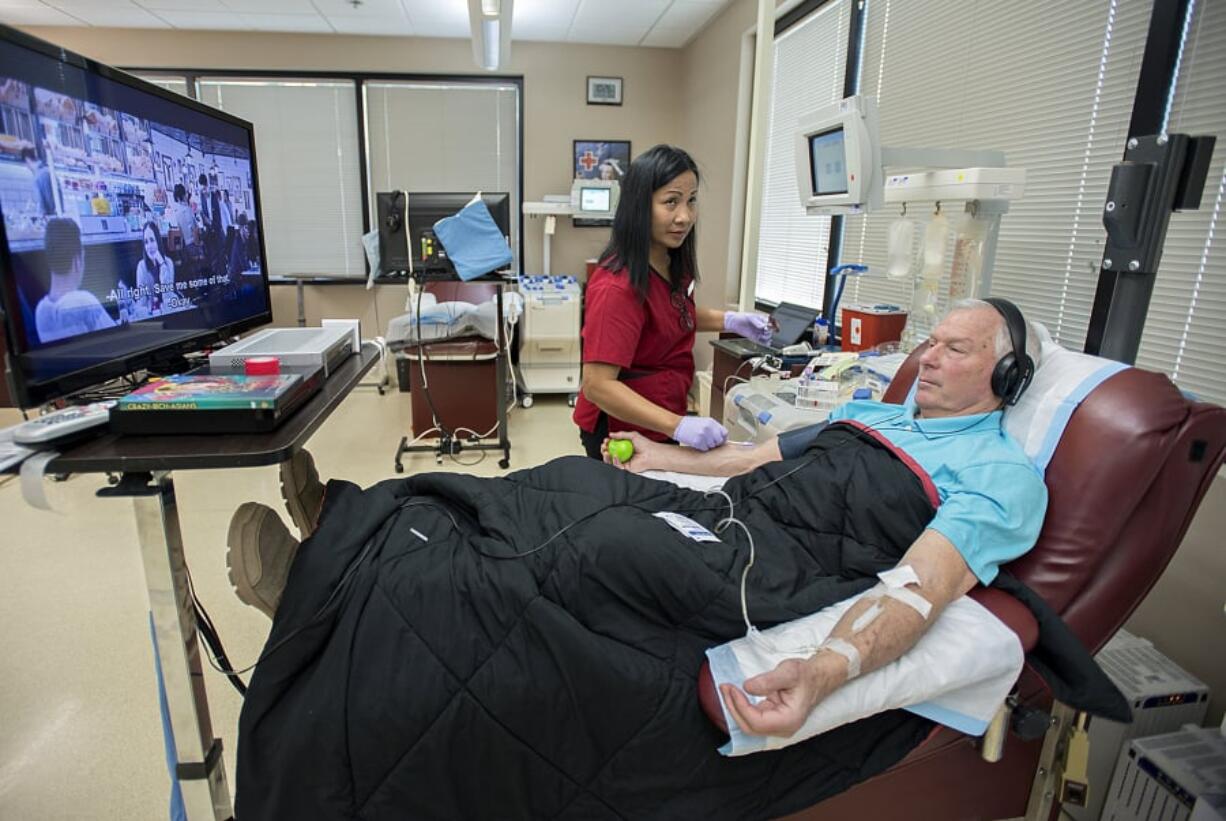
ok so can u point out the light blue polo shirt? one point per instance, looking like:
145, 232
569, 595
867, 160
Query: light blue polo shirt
992, 497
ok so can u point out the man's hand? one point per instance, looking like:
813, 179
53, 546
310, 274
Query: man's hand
646, 452
790, 692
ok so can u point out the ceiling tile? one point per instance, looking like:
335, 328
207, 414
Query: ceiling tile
34, 16
207, 20
182, 5
542, 19
606, 35
270, 6
112, 16
433, 18
365, 8
666, 37
370, 24
687, 14
287, 22
72, 6
622, 14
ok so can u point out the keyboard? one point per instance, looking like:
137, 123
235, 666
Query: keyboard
746, 348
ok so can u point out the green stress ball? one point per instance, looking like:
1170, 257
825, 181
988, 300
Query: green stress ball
621, 449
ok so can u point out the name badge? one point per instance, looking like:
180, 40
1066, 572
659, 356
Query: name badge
687, 527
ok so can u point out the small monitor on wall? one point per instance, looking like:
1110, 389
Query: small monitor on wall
838, 158
594, 199
828, 162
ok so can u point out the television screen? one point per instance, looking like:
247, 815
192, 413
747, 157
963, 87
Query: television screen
131, 221
828, 162
595, 199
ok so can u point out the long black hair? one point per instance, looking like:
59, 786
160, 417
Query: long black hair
150, 266
629, 247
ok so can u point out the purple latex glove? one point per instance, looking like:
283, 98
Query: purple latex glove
700, 432
751, 326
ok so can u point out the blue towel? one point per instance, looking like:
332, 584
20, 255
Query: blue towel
473, 242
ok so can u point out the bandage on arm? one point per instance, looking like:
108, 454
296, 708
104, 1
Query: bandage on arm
888, 621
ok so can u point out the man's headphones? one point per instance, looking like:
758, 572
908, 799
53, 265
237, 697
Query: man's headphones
1013, 371
395, 213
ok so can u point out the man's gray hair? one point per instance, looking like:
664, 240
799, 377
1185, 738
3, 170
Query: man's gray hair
1004, 344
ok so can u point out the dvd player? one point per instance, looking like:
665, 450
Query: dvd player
324, 348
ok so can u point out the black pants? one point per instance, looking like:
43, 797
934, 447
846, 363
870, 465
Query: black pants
592, 441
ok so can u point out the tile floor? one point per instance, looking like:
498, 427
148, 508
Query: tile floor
80, 733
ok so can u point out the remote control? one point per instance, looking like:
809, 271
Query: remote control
62, 423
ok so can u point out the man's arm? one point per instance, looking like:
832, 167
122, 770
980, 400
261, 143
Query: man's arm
729, 459
877, 629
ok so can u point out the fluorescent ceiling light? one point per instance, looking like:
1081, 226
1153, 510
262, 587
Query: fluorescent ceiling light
489, 33
490, 23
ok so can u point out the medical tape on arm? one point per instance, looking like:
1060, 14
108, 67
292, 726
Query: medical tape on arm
848, 651
893, 584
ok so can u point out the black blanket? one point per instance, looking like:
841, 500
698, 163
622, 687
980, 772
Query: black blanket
527, 647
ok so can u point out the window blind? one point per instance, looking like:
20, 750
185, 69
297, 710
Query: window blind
1184, 332
444, 136
306, 138
810, 58
1050, 83
176, 84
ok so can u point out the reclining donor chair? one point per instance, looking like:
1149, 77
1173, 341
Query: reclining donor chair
1124, 481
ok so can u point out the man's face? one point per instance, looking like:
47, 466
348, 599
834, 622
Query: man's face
955, 373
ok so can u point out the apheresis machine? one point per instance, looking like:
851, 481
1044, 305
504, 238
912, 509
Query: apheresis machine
949, 203
549, 353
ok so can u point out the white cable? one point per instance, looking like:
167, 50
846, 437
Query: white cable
719, 528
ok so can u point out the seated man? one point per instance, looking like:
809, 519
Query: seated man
992, 501
528, 645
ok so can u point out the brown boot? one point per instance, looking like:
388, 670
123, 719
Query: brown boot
259, 555
302, 491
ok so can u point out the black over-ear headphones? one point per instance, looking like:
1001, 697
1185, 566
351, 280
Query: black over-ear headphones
1013, 371
395, 213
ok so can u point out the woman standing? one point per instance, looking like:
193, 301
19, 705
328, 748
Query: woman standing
640, 318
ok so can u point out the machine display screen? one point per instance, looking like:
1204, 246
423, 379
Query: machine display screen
595, 199
828, 162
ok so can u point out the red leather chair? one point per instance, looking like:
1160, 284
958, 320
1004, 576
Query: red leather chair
1125, 481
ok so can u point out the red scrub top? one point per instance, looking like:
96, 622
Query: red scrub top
652, 341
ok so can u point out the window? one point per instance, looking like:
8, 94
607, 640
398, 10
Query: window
306, 137
425, 135
1051, 84
1184, 335
170, 82
810, 57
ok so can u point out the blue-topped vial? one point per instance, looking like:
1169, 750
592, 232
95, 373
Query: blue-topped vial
861, 393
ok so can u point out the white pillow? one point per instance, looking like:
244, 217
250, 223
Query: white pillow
957, 674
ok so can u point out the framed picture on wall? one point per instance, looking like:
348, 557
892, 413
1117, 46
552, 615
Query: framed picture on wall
601, 159
604, 90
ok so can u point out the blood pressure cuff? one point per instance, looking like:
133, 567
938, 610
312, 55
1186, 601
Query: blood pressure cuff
473, 242
793, 443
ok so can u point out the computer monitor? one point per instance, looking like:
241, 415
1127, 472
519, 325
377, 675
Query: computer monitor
131, 223
423, 209
838, 158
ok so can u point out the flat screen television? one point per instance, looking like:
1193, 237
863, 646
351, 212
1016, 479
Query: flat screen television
131, 223
423, 209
